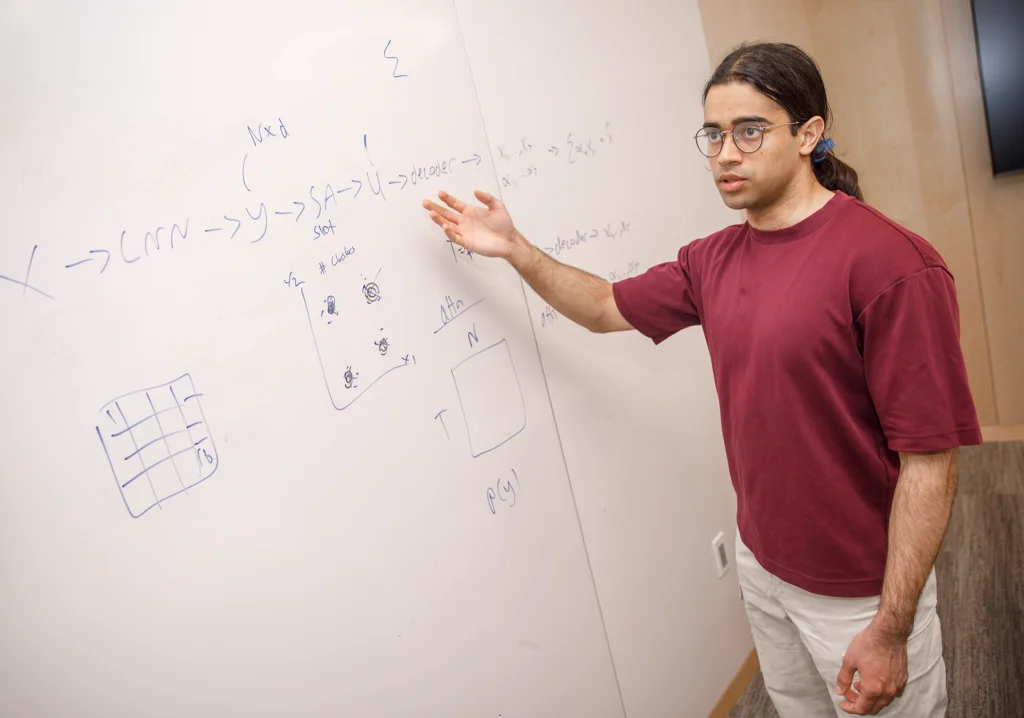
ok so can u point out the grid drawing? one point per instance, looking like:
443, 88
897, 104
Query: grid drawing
157, 443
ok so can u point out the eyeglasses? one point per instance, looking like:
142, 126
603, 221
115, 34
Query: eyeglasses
747, 136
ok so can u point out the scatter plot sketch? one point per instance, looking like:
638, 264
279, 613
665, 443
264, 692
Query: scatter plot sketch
491, 397
157, 443
354, 346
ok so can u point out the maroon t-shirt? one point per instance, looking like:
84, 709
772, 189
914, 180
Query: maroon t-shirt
835, 344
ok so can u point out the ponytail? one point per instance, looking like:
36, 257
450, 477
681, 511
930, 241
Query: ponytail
833, 173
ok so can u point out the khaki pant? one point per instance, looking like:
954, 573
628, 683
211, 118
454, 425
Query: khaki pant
801, 637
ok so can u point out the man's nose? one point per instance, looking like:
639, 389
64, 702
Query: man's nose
730, 153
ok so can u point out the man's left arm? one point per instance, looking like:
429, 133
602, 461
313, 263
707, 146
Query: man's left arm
917, 524
917, 378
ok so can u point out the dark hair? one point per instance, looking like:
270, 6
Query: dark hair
789, 76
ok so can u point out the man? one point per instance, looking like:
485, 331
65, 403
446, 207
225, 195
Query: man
834, 340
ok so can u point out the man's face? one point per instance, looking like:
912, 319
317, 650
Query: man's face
753, 180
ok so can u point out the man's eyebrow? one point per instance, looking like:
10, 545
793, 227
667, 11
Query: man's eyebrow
738, 120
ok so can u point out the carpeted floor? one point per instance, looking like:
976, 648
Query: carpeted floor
980, 570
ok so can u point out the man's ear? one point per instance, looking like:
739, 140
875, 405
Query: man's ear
810, 133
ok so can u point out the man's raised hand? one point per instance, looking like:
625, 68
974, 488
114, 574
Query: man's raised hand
486, 230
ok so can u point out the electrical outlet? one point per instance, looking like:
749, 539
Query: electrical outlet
721, 556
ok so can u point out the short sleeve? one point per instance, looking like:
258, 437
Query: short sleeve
661, 301
915, 367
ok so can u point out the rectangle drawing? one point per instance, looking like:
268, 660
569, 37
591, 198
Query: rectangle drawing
491, 397
157, 443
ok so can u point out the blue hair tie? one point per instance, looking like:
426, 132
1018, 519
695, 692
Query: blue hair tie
822, 149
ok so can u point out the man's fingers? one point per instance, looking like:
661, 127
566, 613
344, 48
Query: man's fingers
867, 703
441, 215
438, 219
881, 703
433, 206
456, 204
845, 677
489, 200
452, 233
884, 697
862, 705
445, 220
853, 708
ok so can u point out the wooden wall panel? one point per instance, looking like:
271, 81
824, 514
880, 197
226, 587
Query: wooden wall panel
728, 24
889, 81
997, 210
941, 187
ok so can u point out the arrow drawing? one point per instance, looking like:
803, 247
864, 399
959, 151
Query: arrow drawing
475, 158
92, 251
359, 186
105, 261
238, 223
302, 208
553, 149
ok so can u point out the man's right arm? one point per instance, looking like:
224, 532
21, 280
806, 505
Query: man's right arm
489, 231
574, 293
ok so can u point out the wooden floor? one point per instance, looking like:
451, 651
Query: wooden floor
980, 570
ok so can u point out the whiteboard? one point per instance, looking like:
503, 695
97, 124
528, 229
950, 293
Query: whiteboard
272, 446
639, 425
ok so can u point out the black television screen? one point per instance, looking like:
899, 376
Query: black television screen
999, 33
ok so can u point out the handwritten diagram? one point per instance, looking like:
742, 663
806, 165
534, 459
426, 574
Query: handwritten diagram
25, 286
610, 230
157, 443
523, 163
394, 72
503, 491
343, 356
491, 397
249, 222
356, 330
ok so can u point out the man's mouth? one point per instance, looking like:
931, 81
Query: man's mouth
731, 182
